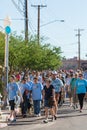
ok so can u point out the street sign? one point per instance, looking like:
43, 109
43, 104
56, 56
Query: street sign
7, 30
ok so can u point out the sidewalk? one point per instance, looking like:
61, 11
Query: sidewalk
66, 116
3, 118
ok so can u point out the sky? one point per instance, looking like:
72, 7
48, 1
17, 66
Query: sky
59, 34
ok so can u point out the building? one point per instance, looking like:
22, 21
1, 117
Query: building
72, 63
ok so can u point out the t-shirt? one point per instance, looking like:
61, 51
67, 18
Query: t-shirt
25, 87
81, 85
48, 91
73, 83
85, 75
58, 84
37, 91
12, 90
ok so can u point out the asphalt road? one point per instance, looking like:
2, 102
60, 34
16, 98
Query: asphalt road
67, 119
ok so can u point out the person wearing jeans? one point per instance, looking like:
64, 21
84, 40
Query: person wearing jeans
36, 107
36, 91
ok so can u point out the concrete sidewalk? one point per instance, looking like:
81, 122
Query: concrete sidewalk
68, 118
3, 118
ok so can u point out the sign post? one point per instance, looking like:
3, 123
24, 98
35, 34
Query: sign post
7, 32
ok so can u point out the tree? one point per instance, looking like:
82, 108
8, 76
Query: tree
2, 48
32, 55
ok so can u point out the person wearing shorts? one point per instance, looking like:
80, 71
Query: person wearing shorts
12, 92
49, 99
58, 85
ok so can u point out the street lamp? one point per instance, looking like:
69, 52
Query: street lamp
7, 24
52, 22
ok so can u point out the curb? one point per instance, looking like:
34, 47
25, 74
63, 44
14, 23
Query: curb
2, 125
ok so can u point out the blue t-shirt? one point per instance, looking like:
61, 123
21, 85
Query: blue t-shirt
73, 83
30, 83
12, 90
37, 91
85, 75
23, 87
58, 84
81, 85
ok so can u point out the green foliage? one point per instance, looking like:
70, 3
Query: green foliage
30, 55
2, 48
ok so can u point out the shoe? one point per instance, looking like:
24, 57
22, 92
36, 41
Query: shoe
55, 117
39, 115
52, 119
9, 119
80, 110
14, 120
76, 106
24, 116
45, 121
36, 115
71, 105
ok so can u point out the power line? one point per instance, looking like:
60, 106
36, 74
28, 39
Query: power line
18, 7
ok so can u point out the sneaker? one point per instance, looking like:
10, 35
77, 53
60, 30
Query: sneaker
14, 120
52, 119
9, 119
76, 106
24, 116
71, 105
55, 117
35, 115
45, 121
80, 110
39, 115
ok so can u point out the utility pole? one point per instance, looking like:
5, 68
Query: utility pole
38, 20
79, 46
26, 20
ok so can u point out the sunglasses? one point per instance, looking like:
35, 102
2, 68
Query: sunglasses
80, 75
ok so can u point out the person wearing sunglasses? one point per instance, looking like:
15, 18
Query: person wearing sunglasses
80, 89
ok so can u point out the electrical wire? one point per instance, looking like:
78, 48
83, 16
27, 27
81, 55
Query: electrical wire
18, 8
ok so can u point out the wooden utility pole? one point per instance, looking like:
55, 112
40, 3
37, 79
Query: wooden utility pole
26, 21
38, 21
79, 46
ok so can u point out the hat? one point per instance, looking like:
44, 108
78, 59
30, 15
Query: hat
54, 72
13, 76
49, 79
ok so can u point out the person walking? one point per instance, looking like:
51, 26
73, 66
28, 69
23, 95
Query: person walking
49, 99
36, 91
25, 89
57, 84
12, 92
74, 95
80, 89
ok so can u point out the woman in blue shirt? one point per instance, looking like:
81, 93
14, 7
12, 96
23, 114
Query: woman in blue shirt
36, 91
12, 91
81, 85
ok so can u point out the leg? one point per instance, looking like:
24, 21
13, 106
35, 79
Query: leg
35, 107
38, 106
80, 98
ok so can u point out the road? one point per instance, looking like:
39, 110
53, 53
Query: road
68, 119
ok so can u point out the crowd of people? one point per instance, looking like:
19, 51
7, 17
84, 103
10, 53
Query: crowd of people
47, 88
